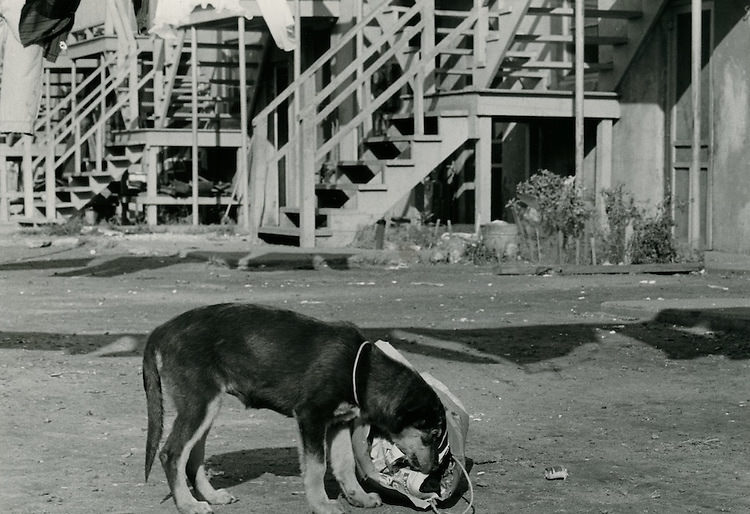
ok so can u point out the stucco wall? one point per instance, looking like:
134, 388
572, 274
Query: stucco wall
731, 148
638, 146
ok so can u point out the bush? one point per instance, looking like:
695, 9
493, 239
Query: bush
554, 208
653, 241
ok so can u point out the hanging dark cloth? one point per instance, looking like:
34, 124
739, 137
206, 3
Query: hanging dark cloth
47, 23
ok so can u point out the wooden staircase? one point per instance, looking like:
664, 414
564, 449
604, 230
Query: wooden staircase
535, 49
345, 176
345, 173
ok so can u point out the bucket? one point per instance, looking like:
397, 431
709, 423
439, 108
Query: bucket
500, 237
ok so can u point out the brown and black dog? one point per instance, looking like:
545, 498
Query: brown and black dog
295, 365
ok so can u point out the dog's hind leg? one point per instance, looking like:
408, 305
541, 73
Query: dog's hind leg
196, 473
342, 463
313, 463
191, 423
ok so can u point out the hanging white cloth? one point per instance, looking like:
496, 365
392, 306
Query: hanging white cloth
174, 13
280, 21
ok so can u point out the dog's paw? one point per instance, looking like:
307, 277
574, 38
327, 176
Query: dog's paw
195, 507
221, 497
363, 499
328, 507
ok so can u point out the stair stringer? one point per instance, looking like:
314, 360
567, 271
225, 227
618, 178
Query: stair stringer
426, 156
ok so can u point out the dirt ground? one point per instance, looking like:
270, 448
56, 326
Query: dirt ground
646, 417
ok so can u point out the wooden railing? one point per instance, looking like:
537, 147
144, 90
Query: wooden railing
313, 138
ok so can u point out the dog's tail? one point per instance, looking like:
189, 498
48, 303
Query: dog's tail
152, 386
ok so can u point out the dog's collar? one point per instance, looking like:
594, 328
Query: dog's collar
366, 346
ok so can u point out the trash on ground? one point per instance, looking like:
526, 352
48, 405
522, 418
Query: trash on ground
555, 473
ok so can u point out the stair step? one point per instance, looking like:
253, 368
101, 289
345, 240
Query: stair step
225, 64
201, 115
231, 82
457, 51
554, 65
428, 138
569, 40
229, 45
454, 71
350, 188
627, 14
376, 163
521, 54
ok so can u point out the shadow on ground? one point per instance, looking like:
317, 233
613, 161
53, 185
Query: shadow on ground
520, 345
237, 467
124, 265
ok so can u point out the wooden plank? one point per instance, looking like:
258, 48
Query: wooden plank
4, 203
49, 167
194, 124
483, 172
152, 155
247, 221
224, 138
694, 222
603, 178
579, 93
170, 200
27, 172
630, 269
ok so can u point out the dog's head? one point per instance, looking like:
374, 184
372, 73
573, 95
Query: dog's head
423, 439
406, 410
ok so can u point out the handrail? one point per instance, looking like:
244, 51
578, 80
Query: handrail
353, 66
409, 33
112, 82
418, 67
108, 114
39, 125
318, 64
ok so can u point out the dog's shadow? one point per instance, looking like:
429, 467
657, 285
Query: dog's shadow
230, 469
235, 468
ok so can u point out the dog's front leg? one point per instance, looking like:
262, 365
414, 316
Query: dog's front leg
313, 463
342, 462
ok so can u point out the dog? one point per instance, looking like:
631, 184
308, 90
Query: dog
323, 374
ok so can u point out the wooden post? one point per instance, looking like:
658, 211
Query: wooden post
418, 87
159, 50
49, 166
480, 35
133, 90
363, 92
603, 164
102, 111
28, 178
307, 176
194, 124
74, 117
248, 222
694, 222
294, 173
152, 174
579, 93
4, 204
483, 172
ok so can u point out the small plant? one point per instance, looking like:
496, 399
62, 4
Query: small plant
621, 212
653, 240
